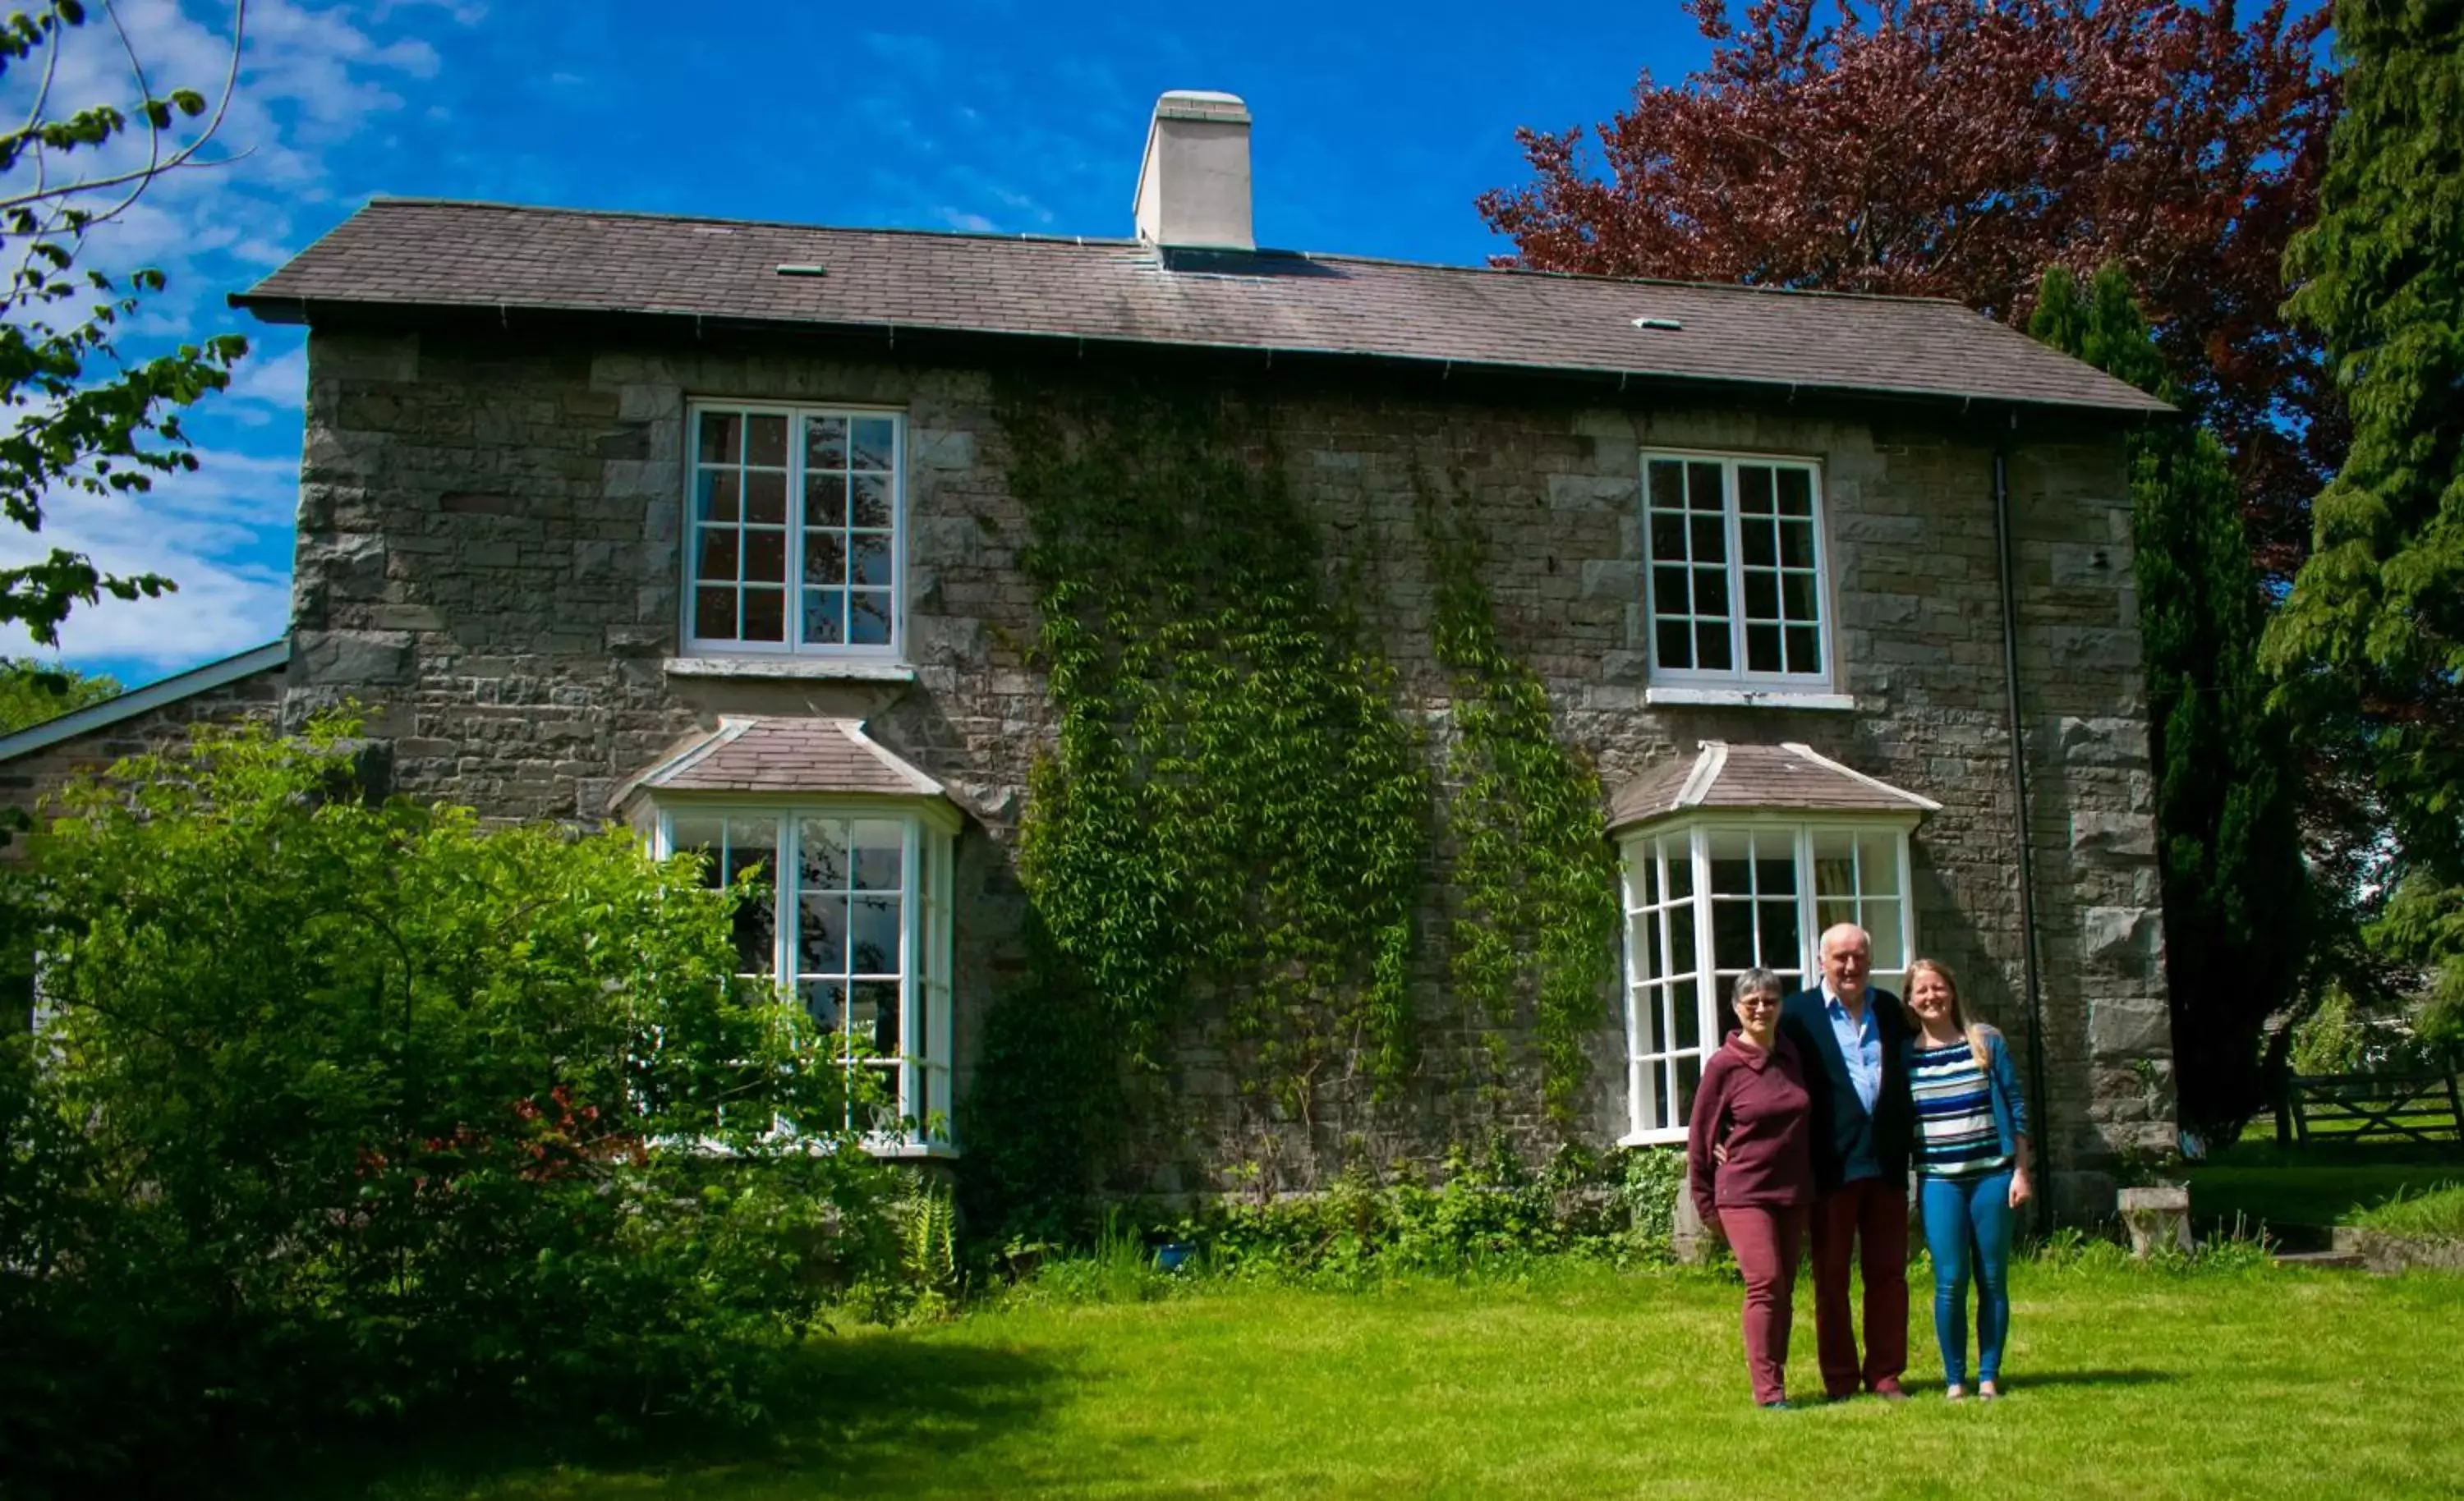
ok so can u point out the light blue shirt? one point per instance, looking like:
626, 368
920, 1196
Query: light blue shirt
1860, 1046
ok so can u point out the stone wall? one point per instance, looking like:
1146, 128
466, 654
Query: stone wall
29, 782
489, 556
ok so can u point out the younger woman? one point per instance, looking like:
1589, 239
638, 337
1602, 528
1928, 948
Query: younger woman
1972, 1170
1750, 1165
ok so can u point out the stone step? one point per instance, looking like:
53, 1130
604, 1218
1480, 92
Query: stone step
2329, 1260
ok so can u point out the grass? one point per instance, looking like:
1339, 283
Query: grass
2433, 1214
2319, 1183
1581, 1381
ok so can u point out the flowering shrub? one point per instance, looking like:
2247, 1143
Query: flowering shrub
350, 1110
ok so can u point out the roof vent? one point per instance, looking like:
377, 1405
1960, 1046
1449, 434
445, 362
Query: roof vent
1194, 186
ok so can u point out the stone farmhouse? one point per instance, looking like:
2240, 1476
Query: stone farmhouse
707, 526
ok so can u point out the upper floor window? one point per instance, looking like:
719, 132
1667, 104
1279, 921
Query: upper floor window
852, 915
796, 530
1735, 588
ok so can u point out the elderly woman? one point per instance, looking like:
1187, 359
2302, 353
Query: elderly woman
1972, 1170
1749, 1160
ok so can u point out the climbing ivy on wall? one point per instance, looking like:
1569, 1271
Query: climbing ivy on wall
1233, 798
1237, 805
1531, 870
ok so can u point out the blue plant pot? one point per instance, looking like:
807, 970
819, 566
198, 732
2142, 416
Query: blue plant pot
1174, 1256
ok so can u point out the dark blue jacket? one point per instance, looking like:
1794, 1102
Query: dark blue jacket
1841, 1122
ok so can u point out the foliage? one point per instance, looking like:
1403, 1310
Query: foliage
2228, 839
1232, 805
347, 1110
82, 419
2434, 1213
2370, 643
1531, 864
2346, 1035
1959, 148
33, 691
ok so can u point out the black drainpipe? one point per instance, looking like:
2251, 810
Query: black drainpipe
2020, 820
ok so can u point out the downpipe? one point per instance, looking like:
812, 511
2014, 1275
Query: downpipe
2031, 978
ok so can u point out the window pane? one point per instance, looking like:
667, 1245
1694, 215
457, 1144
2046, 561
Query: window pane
825, 500
1674, 640
1797, 544
879, 846
1667, 484
1797, 492
700, 836
1763, 649
872, 442
1881, 924
1668, 537
1681, 940
824, 616
1657, 1077
1668, 591
1804, 649
822, 935
870, 556
823, 864
717, 500
1687, 1012
825, 558
1731, 862
721, 434
872, 1016
1649, 864
1689, 1073
1711, 592
872, 935
826, 1001
1879, 864
765, 614
1796, 593
869, 501
825, 442
1681, 868
1782, 947
765, 442
717, 558
1702, 488
1710, 540
1754, 491
1762, 599
1757, 544
1647, 1021
1732, 935
1711, 648
715, 613
765, 556
1829, 912
869, 616
765, 497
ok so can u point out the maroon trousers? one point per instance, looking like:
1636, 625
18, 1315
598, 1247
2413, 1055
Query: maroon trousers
1870, 1216
1766, 1239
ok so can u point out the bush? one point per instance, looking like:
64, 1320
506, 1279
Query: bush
349, 1110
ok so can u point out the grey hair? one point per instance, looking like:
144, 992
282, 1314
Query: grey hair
1754, 982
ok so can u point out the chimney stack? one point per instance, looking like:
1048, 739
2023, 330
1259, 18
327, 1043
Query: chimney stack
1193, 187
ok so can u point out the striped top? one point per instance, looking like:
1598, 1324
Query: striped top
1957, 1137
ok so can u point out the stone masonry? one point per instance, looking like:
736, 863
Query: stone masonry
488, 562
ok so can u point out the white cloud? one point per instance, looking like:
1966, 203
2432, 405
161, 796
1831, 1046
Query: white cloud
958, 219
312, 77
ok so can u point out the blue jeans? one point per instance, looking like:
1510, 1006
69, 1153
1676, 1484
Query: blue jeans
1965, 1218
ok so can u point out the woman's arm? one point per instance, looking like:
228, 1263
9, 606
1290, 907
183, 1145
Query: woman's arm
2006, 1084
1702, 1138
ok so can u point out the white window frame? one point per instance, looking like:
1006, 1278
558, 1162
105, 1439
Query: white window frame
927, 944
1643, 1129
1737, 676
895, 650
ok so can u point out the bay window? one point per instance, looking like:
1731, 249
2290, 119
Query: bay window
1713, 896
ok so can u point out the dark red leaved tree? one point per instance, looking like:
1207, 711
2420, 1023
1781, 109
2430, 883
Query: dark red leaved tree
1958, 148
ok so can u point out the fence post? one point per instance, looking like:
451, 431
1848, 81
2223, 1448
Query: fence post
2284, 1107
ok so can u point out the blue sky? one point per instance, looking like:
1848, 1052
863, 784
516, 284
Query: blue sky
1376, 125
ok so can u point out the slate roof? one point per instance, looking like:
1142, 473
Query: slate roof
1785, 775
757, 754
399, 253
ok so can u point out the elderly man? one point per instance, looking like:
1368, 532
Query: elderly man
1850, 1036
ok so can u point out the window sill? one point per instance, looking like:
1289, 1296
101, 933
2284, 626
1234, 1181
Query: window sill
1652, 1139
912, 1151
1748, 698
785, 669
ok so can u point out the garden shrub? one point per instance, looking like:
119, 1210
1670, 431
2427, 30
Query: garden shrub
349, 1110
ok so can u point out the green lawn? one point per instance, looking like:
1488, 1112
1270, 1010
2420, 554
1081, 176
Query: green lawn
1584, 1381
2318, 1183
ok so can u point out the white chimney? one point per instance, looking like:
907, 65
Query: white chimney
1193, 188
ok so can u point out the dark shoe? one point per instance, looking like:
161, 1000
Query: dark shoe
1889, 1391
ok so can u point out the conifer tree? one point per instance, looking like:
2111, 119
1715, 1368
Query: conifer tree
2370, 643
2228, 839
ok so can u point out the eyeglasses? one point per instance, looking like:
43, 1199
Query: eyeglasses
1756, 1002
